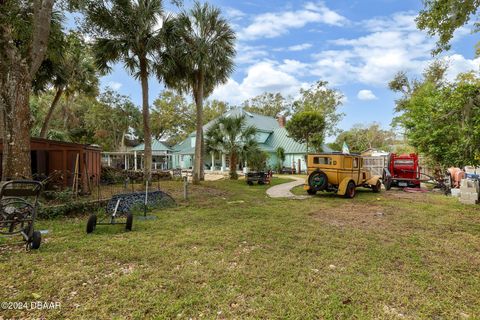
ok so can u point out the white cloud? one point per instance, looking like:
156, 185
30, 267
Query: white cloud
274, 24
393, 44
300, 47
265, 76
250, 54
233, 14
366, 95
459, 64
114, 85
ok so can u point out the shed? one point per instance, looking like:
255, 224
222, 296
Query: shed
48, 156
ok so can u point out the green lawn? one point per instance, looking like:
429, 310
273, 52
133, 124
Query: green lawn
231, 253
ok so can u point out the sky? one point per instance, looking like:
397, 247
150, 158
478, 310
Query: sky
357, 46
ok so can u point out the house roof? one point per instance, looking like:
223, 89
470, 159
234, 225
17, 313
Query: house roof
261, 122
157, 146
277, 136
280, 138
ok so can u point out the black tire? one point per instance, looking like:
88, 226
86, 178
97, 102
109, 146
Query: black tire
129, 223
377, 187
351, 190
387, 182
261, 183
318, 181
36, 240
311, 192
91, 223
250, 183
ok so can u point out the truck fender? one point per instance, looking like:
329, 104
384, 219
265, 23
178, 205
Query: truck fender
342, 187
373, 180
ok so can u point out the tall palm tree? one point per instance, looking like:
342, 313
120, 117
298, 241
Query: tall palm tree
198, 56
128, 31
232, 136
74, 72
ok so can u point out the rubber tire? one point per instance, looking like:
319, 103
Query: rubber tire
387, 183
311, 192
320, 174
378, 187
36, 240
91, 223
351, 190
261, 183
129, 223
250, 183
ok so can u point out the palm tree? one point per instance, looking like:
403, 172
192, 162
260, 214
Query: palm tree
231, 136
74, 72
198, 56
128, 31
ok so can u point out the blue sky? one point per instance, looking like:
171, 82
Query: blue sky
357, 46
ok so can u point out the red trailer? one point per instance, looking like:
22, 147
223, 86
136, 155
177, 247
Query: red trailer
402, 171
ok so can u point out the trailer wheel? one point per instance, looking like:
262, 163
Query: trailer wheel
377, 187
351, 190
312, 192
250, 183
91, 223
36, 240
128, 225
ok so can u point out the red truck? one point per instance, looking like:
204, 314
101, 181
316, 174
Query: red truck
401, 171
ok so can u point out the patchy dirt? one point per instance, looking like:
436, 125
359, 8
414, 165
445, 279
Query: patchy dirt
354, 215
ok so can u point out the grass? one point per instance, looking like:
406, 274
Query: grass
230, 252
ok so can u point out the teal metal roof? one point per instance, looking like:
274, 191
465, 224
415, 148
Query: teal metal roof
270, 137
262, 123
156, 146
280, 138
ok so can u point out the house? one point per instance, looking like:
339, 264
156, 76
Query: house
271, 135
133, 158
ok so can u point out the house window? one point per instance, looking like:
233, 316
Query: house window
181, 157
322, 160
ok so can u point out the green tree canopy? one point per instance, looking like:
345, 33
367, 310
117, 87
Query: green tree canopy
362, 137
268, 104
320, 98
232, 136
441, 119
443, 17
199, 52
307, 127
128, 31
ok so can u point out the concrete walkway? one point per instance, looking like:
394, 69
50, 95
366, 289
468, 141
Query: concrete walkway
283, 190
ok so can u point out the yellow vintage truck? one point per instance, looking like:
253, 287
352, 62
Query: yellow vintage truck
340, 173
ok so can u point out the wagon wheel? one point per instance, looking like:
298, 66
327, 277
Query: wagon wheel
15, 215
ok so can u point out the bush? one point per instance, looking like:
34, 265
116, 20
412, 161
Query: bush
69, 209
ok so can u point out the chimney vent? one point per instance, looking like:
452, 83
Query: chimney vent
282, 120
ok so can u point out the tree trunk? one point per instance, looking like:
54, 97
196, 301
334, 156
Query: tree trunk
233, 166
16, 161
46, 122
147, 169
198, 171
16, 73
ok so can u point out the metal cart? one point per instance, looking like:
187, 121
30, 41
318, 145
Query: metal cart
18, 210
